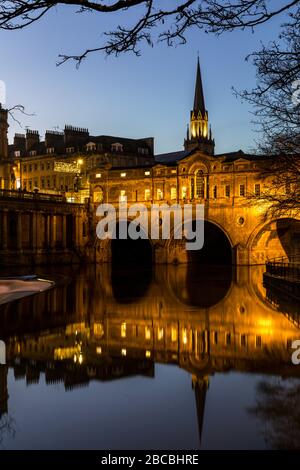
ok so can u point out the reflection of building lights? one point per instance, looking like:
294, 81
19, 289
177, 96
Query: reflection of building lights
99, 350
184, 336
123, 330
75, 358
147, 332
98, 329
80, 359
265, 322
160, 333
174, 334
148, 353
123, 352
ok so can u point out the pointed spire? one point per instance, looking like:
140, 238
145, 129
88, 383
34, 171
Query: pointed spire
199, 104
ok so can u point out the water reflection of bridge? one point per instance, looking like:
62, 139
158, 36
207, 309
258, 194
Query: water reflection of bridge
100, 325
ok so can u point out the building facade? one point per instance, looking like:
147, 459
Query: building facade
89, 170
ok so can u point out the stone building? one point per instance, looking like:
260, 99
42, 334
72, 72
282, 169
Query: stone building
88, 170
63, 161
196, 175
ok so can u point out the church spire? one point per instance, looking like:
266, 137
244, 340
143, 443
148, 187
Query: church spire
199, 136
199, 104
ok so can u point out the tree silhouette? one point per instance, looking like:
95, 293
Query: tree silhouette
154, 20
276, 102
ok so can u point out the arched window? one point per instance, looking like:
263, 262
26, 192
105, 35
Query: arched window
200, 184
98, 194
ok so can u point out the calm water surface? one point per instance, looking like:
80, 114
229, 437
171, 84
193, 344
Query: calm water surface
174, 358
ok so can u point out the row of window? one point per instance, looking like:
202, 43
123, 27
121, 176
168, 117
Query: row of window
159, 195
35, 167
243, 339
63, 184
90, 147
174, 336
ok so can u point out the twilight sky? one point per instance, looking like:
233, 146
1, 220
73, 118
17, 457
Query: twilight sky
129, 96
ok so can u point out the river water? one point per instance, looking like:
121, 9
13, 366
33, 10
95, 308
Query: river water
169, 358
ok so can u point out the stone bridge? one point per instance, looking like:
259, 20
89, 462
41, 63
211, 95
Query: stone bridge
41, 229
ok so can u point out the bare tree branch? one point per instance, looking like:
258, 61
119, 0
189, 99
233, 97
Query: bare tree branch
211, 16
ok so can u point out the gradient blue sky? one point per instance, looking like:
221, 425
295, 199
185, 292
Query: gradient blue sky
129, 96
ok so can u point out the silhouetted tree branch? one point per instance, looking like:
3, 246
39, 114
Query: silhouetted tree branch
18, 108
276, 103
174, 18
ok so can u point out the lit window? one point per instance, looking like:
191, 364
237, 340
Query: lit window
200, 184
148, 353
147, 194
123, 352
99, 350
123, 330
147, 332
147, 173
98, 175
184, 192
98, 194
17, 153
123, 175
173, 193
159, 194
50, 150
173, 171
184, 336
122, 195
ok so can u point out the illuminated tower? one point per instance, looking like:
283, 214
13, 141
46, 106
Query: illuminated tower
198, 133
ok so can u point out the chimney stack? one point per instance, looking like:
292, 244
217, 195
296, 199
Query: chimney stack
32, 138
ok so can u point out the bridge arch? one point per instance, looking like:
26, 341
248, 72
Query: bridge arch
274, 238
218, 247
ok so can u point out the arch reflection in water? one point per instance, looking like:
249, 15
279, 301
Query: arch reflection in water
73, 337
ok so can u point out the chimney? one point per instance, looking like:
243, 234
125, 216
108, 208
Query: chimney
54, 139
3, 133
75, 135
32, 138
20, 142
